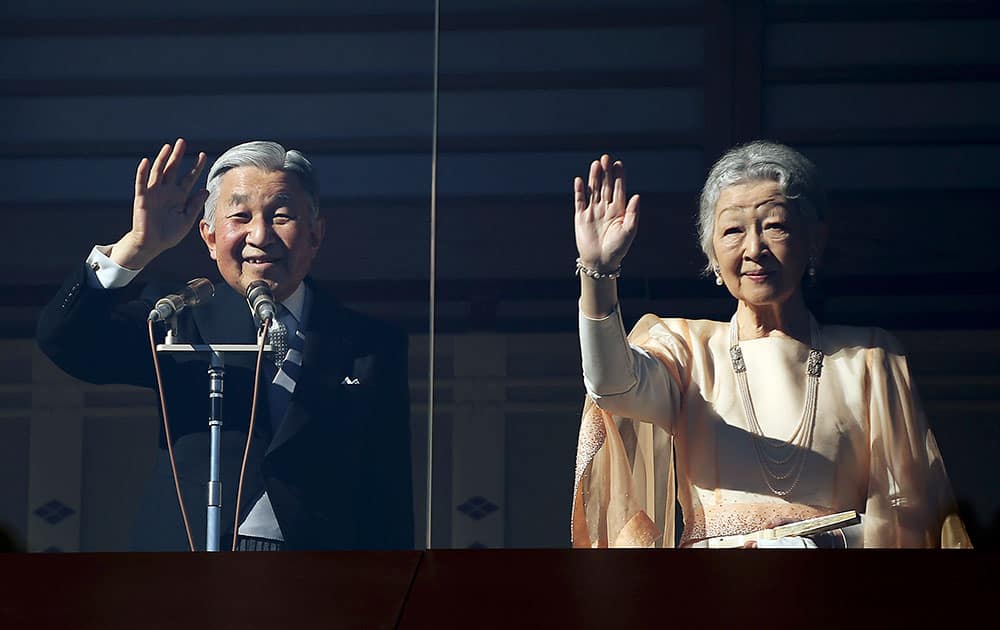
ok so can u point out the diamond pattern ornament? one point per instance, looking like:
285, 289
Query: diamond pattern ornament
477, 508
54, 512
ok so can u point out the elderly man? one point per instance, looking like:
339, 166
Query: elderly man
328, 465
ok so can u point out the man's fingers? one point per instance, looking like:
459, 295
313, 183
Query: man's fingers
174, 161
156, 171
195, 204
141, 174
188, 181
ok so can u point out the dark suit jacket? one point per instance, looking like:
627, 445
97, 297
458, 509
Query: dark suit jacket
336, 469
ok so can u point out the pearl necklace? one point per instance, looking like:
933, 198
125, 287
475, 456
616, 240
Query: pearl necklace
781, 460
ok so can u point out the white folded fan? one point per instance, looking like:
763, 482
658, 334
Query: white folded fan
807, 527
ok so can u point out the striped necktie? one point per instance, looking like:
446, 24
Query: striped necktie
287, 342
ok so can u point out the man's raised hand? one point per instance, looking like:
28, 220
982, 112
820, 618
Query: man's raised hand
164, 208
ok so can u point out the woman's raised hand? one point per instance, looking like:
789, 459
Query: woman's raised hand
605, 223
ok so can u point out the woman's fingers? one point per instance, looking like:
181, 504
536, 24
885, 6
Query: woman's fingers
778, 521
593, 182
579, 197
605, 193
607, 180
618, 173
631, 215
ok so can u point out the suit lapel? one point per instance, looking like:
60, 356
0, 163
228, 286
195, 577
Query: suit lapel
326, 358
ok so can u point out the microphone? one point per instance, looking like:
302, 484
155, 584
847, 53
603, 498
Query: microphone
261, 301
196, 292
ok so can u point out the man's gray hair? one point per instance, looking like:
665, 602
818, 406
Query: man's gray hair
755, 161
267, 156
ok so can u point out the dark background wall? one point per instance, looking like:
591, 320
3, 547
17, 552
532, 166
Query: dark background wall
896, 102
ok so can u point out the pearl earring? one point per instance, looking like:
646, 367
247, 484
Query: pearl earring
811, 270
718, 275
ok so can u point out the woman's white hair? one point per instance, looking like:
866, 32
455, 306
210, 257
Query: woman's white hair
267, 156
756, 161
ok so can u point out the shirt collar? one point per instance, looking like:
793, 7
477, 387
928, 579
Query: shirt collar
295, 303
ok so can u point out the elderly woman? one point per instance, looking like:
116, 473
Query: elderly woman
767, 419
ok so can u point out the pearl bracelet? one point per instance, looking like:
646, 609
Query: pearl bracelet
595, 274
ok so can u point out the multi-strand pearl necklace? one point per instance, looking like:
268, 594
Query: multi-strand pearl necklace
781, 460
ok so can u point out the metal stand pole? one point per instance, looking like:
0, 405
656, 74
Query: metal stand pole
214, 519
216, 372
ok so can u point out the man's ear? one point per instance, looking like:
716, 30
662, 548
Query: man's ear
316, 232
208, 236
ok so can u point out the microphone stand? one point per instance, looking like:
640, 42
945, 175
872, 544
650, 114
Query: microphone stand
213, 533
216, 373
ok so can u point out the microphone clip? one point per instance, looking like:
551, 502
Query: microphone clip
167, 308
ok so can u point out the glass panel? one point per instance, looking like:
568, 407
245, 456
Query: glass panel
530, 94
879, 97
85, 97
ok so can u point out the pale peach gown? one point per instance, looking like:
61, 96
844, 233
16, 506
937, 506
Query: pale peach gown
664, 420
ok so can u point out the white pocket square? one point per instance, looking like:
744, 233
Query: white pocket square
350, 381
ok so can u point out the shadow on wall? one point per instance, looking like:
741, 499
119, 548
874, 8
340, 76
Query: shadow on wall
8, 542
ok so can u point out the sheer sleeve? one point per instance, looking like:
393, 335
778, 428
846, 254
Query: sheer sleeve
624, 487
910, 501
